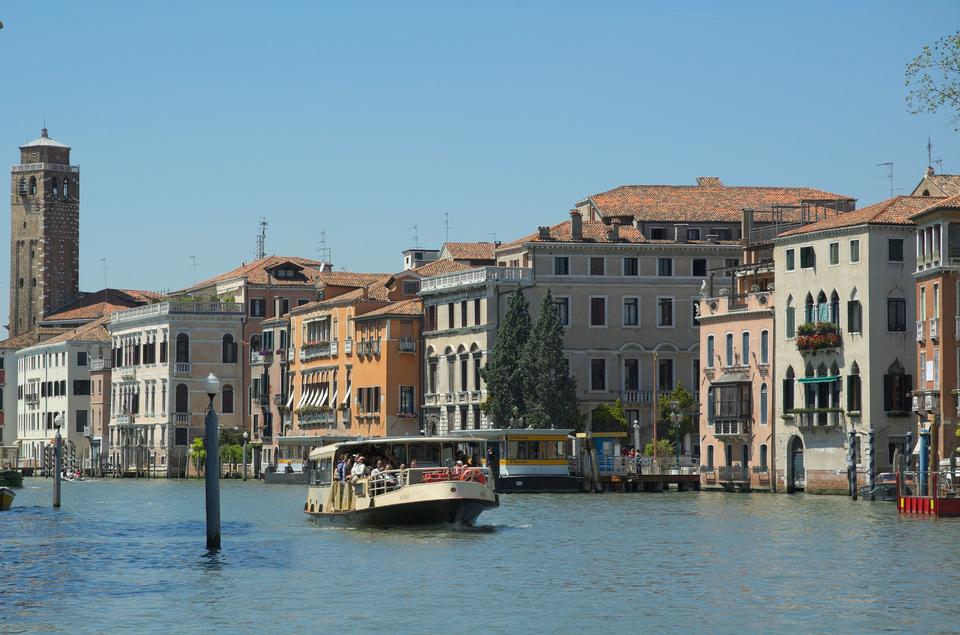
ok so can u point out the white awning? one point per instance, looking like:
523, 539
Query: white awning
333, 397
314, 397
303, 398
346, 395
323, 397
290, 400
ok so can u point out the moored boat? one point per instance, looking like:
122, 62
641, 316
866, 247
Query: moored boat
411, 481
10, 475
6, 498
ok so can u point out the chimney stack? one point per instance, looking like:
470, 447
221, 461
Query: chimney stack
576, 225
930, 171
613, 232
680, 232
544, 232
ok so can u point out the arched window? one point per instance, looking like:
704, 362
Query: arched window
763, 456
729, 350
791, 318
710, 351
763, 404
808, 312
835, 308
255, 343
21, 283
744, 455
226, 400
896, 388
33, 185
66, 188
788, 390
228, 350
22, 186
183, 349
823, 309
711, 407
182, 399
54, 186
745, 348
764, 347
854, 389
710, 457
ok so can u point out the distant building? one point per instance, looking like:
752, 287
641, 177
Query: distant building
100, 391
413, 258
937, 185
480, 254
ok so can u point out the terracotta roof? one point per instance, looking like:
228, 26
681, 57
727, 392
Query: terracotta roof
470, 251
952, 202
376, 292
349, 278
438, 267
708, 201
405, 307
256, 272
91, 306
593, 232
37, 335
95, 331
893, 211
939, 185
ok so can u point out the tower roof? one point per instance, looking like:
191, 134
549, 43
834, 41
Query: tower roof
46, 141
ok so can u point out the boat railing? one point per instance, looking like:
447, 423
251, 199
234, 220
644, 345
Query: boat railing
392, 480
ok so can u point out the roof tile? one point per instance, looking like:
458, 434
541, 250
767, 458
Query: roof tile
893, 211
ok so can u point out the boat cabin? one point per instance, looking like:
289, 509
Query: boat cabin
530, 460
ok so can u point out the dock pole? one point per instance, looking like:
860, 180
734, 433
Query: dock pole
57, 464
212, 471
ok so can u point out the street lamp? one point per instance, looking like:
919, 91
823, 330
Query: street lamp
212, 482
245, 437
58, 459
675, 418
636, 435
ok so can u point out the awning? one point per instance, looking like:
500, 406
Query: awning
314, 397
732, 378
346, 395
819, 380
323, 397
333, 397
303, 398
290, 400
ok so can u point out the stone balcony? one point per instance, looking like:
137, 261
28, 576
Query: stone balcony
477, 277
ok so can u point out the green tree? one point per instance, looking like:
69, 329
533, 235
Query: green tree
933, 78
550, 391
609, 418
198, 454
231, 453
665, 449
502, 373
665, 425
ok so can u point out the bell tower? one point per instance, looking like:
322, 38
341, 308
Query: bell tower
44, 233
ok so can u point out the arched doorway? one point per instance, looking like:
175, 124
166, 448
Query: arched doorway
796, 473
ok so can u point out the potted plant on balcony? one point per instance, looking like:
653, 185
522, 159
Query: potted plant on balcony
817, 336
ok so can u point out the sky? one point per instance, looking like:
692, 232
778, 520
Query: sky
192, 120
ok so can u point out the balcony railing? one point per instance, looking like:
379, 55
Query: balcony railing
734, 473
176, 307
32, 398
476, 277
818, 336
47, 167
318, 418
99, 364
257, 358
181, 369
181, 417
318, 350
639, 396
920, 333
128, 373
348, 346
817, 418
125, 420
431, 399
407, 345
731, 426
934, 328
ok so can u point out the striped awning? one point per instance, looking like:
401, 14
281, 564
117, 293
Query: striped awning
322, 400
303, 398
333, 397
290, 400
346, 395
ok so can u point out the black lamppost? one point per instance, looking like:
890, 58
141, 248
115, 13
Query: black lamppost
245, 437
57, 460
211, 477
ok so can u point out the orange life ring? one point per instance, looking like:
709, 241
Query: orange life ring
473, 474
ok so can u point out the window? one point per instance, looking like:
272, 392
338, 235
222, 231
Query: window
764, 347
664, 374
709, 457
790, 260
710, 351
658, 233
807, 258
664, 266
744, 348
834, 253
764, 397
763, 456
854, 316
450, 315
33, 185
81, 386
228, 352
54, 186
66, 188
664, 311
283, 306
476, 312
936, 299
895, 249
598, 374
561, 266
896, 314
923, 303
182, 399
788, 385
406, 400
631, 266
729, 350
693, 233
631, 312
598, 311
597, 266
81, 358
411, 287
463, 313
835, 308
722, 233
896, 389
854, 251
226, 400
731, 262
258, 307
698, 267
563, 310
854, 389
81, 420
163, 352
631, 374
791, 318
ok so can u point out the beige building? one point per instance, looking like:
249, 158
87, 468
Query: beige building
161, 355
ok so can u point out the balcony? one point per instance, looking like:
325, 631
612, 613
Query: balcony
431, 399
814, 337
125, 420
475, 395
407, 345
181, 417
178, 307
99, 364
731, 426
182, 369
935, 328
733, 474
348, 346
326, 418
259, 358
920, 333
316, 350
639, 396
477, 277
814, 418
128, 373
32, 399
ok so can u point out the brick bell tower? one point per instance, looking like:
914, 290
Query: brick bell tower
44, 233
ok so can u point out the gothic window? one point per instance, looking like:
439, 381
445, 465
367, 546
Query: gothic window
788, 390
255, 343
835, 308
183, 349
229, 350
22, 186
53, 184
66, 187
183, 398
808, 313
226, 399
33, 185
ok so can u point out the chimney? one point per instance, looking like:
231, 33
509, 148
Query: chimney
930, 171
576, 225
680, 232
544, 232
709, 181
613, 232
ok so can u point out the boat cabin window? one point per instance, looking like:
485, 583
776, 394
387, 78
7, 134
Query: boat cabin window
425, 454
536, 450
322, 472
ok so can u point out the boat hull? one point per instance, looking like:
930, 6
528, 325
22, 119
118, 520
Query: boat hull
451, 511
6, 498
11, 478
537, 484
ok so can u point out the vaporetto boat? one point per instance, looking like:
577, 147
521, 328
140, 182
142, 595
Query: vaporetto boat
424, 481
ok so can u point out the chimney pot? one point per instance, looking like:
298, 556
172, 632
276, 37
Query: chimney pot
544, 232
613, 232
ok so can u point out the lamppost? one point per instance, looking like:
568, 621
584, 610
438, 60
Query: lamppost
57, 460
212, 481
245, 437
675, 419
636, 436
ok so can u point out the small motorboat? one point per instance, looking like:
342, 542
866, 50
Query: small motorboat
6, 498
10, 475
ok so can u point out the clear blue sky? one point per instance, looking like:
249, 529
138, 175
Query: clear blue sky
190, 120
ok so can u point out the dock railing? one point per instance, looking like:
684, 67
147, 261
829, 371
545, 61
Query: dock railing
626, 466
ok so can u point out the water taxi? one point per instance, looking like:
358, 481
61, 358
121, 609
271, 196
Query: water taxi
6, 498
529, 460
407, 481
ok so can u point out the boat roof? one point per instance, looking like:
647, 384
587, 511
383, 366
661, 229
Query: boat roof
333, 447
496, 433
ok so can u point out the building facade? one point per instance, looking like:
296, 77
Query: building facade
100, 371
844, 347
161, 355
44, 232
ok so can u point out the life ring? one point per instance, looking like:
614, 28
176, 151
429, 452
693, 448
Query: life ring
474, 474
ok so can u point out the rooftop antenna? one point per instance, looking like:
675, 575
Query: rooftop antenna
416, 238
193, 263
103, 263
939, 163
889, 165
262, 239
323, 252
494, 234
446, 226
929, 152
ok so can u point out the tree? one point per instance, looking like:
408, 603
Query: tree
198, 453
502, 372
664, 448
550, 391
664, 407
933, 78
609, 418
231, 453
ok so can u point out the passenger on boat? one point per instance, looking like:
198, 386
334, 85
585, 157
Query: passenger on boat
458, 469
341, 473
358, 469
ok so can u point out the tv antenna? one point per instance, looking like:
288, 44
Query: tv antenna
446, 227
193, 263
103, 263
416, 238
324, 252
889, 166
262, 239
929, 152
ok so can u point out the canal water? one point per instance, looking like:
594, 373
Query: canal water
124, 556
